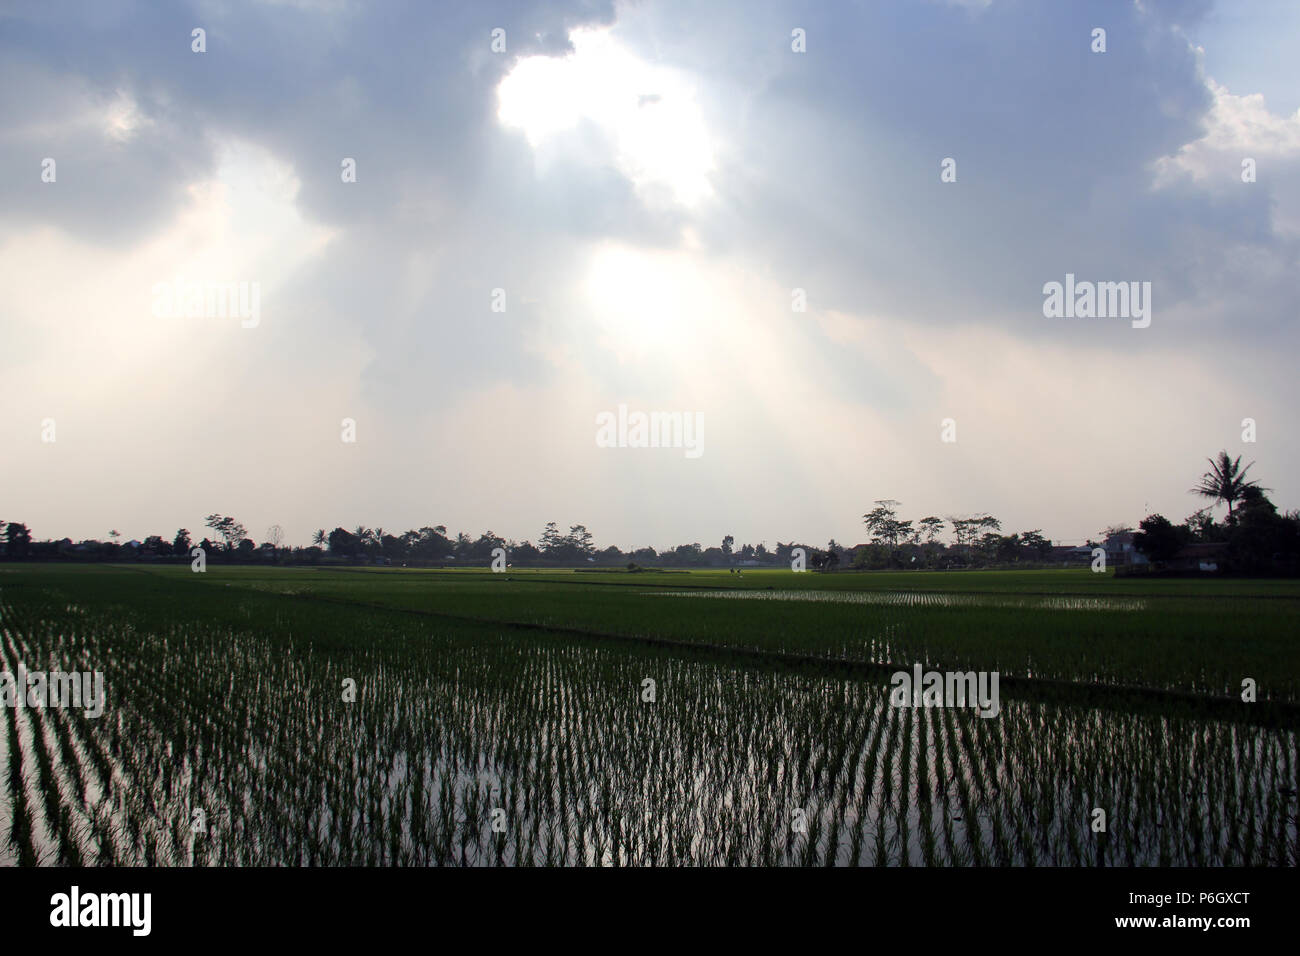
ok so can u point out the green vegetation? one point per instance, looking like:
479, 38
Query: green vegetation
501, 719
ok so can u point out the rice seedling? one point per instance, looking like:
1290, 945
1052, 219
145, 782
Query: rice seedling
477, 743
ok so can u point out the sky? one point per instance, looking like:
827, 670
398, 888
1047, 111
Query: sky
821, 232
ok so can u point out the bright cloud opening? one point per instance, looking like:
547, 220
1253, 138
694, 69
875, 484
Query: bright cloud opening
648, 113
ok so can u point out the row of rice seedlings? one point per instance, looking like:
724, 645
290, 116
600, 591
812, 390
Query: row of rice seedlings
20, 823
13, 807
35, 828
62, 778
557, 738
970, 850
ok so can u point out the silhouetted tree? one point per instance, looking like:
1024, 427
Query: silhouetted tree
1225, 481
228, 529
1035, 541
342, 543
883, 524
1159, 539
18, 540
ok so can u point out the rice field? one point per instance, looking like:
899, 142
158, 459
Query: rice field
606, 720
925, 599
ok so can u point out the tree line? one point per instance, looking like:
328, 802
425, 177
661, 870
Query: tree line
1254, 537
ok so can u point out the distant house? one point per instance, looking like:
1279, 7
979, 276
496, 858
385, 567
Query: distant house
1199, 557
1120, 550
1070, 554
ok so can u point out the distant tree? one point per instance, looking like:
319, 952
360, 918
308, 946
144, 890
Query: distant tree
464, 545
551, 540
1261, 541
181, 543
883, 524
228, 529
1200, 525
342, 543
1225, 481
581, 540
429, 544
1035, 541
872, 557
481, 550
927, 536
318, 538
393, 546
275, 536
964, 530
688, 554
525, 553
1159, 539
930, 527
989, 543
727, 542
18, 540
1007, 547
156, 544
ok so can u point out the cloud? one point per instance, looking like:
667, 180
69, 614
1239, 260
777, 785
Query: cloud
648, 184
1242, 137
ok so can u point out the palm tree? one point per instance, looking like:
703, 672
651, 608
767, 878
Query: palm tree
318, 538
1225, 481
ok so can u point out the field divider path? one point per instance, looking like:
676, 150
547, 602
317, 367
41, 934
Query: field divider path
577, 581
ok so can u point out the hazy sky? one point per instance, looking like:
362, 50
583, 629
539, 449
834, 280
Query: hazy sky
647, 185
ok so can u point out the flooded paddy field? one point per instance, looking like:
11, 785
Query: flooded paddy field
299, 717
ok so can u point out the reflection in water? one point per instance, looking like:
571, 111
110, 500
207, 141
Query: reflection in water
489, 749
